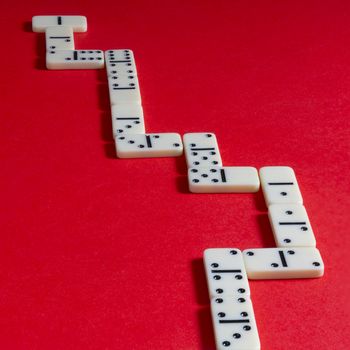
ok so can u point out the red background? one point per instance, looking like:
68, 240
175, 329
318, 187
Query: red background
101, 253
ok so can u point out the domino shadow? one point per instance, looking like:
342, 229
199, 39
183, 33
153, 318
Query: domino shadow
181, 181
27, 26
182, 184
260, 201
203, 314
200, 282
109, 150
102, 91
207, 340
265, 231
40, 47
102, 77
181, 166
40, 62
105, 115
105, 110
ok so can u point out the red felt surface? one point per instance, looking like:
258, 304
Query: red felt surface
101, 253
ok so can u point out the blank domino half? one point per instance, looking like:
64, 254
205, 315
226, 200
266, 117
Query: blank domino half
283, 263
148, 145
223, 179
76, 59
127, 119
225, 271
59, 38
201, 150
41, 23
291, 226
279, 185
234, 323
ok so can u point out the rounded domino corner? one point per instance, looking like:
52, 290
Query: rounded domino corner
50, 66
195, 189
207, 251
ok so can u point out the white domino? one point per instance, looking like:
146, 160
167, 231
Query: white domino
291, 226
127, 119
41, 23
225, 271
234, 323
124, 89
59, 38
76, 59
283, 263
223, 179
120, 62
201, 150
148, 145
279, 185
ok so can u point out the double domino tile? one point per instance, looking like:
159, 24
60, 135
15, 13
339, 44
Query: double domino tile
122, 77
131, 139
120, 62
206, 173
60, 48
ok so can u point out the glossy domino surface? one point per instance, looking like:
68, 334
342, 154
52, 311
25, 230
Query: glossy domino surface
77, 59
201, 150
41, 23
59, 38
234, 323
120, 62
127, 119
225, 272
283, 263
291, 225
124, 89
280, 185
149, 145
223, 179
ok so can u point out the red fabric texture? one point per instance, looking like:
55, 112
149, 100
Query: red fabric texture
101, 253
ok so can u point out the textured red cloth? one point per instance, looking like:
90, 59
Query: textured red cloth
101, 253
